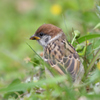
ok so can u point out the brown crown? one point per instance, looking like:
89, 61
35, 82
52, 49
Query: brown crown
49, 29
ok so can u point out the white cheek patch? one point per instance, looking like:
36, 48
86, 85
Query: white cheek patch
44, 40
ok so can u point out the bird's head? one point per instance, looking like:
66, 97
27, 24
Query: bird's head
46, 33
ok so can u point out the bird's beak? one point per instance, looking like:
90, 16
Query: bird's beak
34, 38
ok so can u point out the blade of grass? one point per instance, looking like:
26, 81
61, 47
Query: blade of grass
25, 86
34, 51
98, 25
66, 28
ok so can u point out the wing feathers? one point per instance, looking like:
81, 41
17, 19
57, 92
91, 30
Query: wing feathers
71, 67
62, 57
67, 63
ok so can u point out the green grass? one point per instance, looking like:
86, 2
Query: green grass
20, 62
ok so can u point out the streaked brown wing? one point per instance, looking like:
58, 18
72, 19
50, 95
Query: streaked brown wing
62, 57
72, 65
69, 64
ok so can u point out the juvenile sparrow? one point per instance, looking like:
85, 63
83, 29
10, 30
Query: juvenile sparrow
58, 52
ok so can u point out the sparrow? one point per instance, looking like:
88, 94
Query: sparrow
58, 52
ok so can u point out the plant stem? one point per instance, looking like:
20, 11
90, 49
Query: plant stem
92, 62
73, 40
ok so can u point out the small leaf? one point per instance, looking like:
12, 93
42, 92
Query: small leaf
87, 37
88, 52
79, 47
82, 52
96, 44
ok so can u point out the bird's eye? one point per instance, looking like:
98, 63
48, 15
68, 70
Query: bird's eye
41, 34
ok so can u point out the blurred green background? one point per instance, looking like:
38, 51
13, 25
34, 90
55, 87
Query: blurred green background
19, 19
